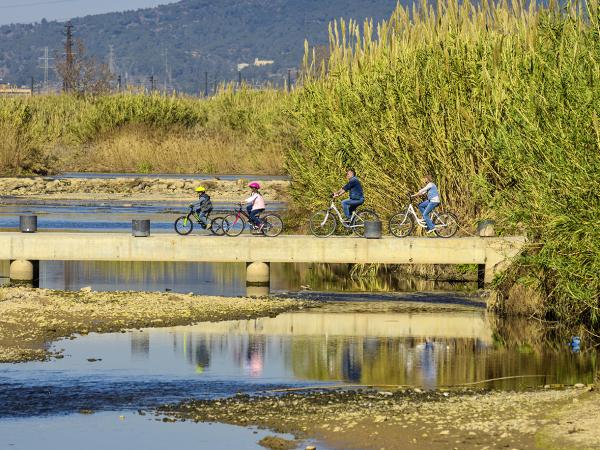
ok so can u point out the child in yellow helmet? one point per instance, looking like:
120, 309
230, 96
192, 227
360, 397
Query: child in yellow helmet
203, 206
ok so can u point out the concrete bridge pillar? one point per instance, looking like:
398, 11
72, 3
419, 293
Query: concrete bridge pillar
258, 274
4, 269
257, 291
24, 270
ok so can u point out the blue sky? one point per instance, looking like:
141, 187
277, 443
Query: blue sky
26, 11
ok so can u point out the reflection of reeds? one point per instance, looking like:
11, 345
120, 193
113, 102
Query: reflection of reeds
358, 278
446, 362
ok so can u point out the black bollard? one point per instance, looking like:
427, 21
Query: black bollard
28, 224
373, 229
140, 228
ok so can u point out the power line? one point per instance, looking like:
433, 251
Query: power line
25, 5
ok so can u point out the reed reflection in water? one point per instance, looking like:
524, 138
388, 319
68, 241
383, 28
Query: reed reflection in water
226, 279
424, 349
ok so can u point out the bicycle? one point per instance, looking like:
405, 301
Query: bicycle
323, 223
185, 224
235, 223
402, 224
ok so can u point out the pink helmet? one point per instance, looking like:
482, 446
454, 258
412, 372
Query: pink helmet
254, 185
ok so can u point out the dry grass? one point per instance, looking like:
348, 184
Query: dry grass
146, 150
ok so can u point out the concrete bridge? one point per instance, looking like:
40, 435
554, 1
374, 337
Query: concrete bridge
24, 250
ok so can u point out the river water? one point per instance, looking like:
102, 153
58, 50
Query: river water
387, 330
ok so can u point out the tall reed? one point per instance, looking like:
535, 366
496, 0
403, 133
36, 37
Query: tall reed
500, 102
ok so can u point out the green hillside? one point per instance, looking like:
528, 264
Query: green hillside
196, 36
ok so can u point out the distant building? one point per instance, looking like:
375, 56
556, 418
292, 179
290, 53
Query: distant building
262, 62
242, 66
8, 90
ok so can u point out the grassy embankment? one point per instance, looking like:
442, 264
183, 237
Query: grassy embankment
501, 104
234, 132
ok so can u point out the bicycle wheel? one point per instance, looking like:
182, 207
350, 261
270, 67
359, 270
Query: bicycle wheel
446, 224
364, 215
401, 224
273, 225
233, 225
216, 226
183, 225
322, 223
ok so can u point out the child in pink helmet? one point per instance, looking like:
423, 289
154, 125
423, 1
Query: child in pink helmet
255, 205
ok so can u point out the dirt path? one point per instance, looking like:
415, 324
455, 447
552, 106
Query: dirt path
575, 425
32, 318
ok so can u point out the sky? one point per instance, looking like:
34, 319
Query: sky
27, 11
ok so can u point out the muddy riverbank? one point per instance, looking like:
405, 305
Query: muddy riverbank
411, 418
140, 188
32, 318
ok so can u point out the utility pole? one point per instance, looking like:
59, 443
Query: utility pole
289, 83
32, 84
69, 59
46, 66
239, 78
166, 68
119, 82
151, 83
112, 67
206, 84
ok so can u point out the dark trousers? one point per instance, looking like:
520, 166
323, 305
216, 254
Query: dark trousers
350, 204
253, 214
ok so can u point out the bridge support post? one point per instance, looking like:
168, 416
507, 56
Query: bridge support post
4, 269
258, 278
498, 256
22, 270
485, 272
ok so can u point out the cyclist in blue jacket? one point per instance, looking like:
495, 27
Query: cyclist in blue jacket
356, 197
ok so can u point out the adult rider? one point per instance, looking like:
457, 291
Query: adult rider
356, 195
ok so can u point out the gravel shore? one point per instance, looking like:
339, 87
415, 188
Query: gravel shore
407, 418
30, 319
141, 188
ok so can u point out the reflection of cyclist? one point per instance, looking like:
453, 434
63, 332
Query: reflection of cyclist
355, 189
203, 206
433, 201
255, 354
255, 205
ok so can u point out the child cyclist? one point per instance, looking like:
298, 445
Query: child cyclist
255, 204
203, 206
432, 202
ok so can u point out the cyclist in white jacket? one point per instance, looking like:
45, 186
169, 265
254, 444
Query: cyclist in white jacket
432, 202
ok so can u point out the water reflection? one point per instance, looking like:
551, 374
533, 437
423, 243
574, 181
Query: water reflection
224, 278
337, 277
140, 345
424, 349
153, 366
227, 279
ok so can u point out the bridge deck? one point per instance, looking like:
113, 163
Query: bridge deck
245, 248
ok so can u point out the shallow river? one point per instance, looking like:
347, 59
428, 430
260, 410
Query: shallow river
369, 331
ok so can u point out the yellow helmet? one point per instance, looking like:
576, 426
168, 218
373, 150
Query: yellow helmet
200, 189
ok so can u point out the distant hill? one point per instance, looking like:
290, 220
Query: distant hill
188, 37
